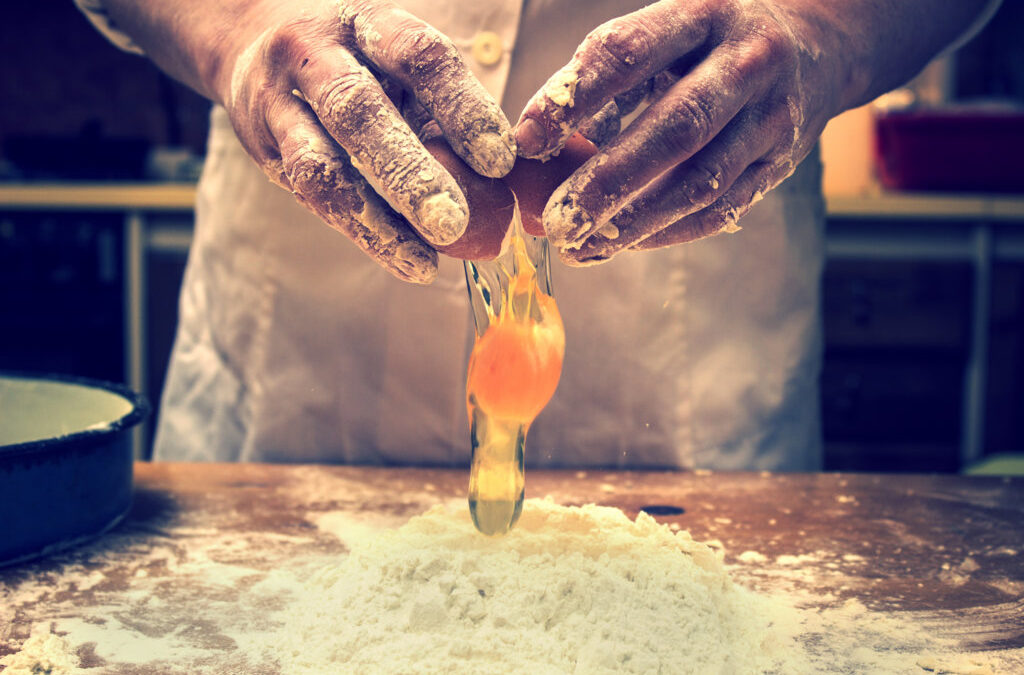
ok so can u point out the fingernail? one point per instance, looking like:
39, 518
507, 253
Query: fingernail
565, 222
531, 137
592, 250
493, 153
573, 259
415, 263
442, 218
583, 253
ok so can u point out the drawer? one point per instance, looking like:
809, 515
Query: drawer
892, 400
897, 304
892, 457
1004, 399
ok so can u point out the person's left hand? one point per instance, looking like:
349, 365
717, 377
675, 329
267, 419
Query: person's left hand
741, 91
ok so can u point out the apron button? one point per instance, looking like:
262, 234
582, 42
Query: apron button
487, 48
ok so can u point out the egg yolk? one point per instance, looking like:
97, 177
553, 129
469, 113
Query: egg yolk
515, 366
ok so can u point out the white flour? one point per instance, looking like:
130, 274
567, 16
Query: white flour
569, 590
42, 653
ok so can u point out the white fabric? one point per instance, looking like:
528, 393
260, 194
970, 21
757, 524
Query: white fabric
973, 28
96, 12
292, 346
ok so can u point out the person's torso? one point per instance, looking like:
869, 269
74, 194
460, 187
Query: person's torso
295, 347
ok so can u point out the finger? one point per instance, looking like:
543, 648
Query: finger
322, 178
752, 136
724, 214
355, 110
628, 101
416, 116
603, 126
428, 64
606, 123
263, 148
614, 58
670, 131
395, 92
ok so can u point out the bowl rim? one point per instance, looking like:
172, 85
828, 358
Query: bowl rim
140, 409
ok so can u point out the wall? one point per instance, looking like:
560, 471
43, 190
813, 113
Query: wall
59, 77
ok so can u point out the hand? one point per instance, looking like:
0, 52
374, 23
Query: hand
304, 85
309, 110
740, 92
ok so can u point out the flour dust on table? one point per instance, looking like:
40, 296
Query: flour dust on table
570, 590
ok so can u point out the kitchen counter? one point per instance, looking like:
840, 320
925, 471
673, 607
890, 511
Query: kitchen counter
202, 543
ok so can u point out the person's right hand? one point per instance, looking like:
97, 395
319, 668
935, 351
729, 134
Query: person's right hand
306, 85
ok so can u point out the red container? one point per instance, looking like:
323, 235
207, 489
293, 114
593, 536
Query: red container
953, 150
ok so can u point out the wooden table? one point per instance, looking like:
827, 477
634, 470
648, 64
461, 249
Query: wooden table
945, 545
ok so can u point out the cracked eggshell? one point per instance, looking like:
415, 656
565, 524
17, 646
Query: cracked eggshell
533, 181
492, 202
491, 206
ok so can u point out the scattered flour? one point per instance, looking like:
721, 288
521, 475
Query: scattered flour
750, 557
802, 559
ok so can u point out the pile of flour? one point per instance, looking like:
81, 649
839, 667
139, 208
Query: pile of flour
42, 653
569, 590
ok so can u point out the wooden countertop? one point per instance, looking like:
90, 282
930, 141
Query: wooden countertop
99, 196
944, 546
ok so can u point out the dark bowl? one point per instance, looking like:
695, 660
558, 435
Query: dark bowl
65, 461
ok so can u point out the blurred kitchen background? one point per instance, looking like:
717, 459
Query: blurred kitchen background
923, 289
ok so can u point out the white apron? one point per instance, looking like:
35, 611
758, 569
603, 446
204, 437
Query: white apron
293, 347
